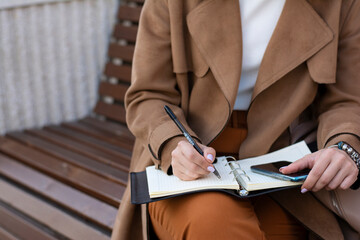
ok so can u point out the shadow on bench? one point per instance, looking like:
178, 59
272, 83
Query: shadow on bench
66, 181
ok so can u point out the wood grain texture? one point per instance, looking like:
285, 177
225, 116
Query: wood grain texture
70, 198
73, 175
47, 214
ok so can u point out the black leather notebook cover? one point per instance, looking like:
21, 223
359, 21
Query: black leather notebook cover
140, 191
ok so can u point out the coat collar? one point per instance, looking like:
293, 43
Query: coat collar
215, 27
299, 34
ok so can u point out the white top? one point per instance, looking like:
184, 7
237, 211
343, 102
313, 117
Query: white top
258, 19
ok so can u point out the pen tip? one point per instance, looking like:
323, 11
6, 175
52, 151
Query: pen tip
217, 174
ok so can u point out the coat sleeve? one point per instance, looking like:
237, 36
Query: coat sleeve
339, 118
154, 84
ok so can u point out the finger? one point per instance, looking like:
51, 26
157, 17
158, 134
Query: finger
336, 181
209, 154
321, 163
190, 154
351, 177
189, 171
190, 167
181, 175
340, 167
300, 164
331, 174
184, 168
348, 181
345, 169
195, 170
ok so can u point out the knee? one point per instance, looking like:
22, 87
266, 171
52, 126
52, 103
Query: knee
211, 215
208, 216
222, 217
207, 221
205, 216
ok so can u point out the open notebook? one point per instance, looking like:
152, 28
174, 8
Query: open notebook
235, 175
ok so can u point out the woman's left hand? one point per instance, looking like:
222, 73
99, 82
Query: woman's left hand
331, 168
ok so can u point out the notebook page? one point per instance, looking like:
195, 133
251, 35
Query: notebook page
258, 181
160, 184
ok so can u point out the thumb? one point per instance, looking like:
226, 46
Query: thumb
300, 164
209, 153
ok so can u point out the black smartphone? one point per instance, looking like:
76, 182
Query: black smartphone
272, 170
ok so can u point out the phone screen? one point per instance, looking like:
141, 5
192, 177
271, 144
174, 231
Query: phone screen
272, 170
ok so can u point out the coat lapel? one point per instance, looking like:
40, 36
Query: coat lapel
299, 34
215, 28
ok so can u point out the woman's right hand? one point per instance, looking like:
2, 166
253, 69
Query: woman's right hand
188, 164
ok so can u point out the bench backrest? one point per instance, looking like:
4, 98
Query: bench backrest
117, 73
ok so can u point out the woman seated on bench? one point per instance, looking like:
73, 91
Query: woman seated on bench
245, 78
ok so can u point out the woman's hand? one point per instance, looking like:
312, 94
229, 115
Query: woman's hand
188, 164
330, 169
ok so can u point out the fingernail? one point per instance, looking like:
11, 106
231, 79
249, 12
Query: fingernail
304, 190
210, 157
280, 169
210, 169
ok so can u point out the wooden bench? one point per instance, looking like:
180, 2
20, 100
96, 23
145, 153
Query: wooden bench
66, 181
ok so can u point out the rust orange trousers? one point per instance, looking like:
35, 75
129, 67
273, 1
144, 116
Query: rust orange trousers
214, 215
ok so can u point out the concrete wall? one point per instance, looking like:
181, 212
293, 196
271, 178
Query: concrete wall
51, 59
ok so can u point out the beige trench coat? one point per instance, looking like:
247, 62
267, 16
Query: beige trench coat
189, 54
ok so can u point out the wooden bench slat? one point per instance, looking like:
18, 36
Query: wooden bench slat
108, 137
111, 111
70, 157
122, 52
5, 235
116, 91
114, 128
91, 141
129, 13
47, 215
76, 170
121, 72
79, 178
85, 150
11, 223
127, 33
81, 204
